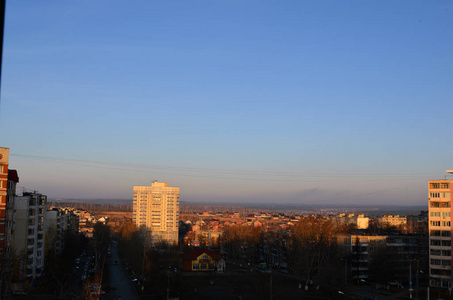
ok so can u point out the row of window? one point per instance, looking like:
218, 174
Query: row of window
440, 272
439, 195
437, 223
439, 186
443, 262
445, 214
445, 233
203, 267
440, 243
440, 252
439, 204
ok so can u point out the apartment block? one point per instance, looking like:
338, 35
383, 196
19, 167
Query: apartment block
29, 235
440, 197
156, 210
4, 159
55, 229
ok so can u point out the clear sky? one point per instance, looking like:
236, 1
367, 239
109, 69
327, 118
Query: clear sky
264, 101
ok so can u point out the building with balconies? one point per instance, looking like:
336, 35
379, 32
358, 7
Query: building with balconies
29, 234
440, 195
156, 210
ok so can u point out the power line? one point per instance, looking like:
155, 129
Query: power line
194, 172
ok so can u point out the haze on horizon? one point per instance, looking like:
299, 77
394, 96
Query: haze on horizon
241, 101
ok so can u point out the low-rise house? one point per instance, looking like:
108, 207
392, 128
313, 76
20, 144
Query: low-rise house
203, 260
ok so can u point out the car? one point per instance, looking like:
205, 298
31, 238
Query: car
115, 262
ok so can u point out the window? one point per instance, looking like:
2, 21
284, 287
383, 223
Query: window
435, 252
446, 243
446, 262
434, 223
204, 266
446, 223
445, 204
446, 252
435, 261
434, 185
435, 242
446, 233
435, 233
445, 214
435, 204
196, 267
434, 195
435, 214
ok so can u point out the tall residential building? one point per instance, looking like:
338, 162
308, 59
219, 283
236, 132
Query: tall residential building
29, 237
156, 209
440, 260
4, 158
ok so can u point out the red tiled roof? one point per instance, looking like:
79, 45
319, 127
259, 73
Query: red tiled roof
199, 251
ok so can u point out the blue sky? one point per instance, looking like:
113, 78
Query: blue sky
265, 101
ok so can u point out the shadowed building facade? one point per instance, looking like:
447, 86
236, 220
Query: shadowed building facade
156, 210
440, 248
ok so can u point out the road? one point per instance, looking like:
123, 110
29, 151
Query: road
123, 285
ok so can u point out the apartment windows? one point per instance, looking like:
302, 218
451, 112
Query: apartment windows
435, 261
445, 214
435, 213
434, 223
435, 204
446, 262
446, 243
435, 242
446, 233
435, 252
446, 252
434, 186
446, 223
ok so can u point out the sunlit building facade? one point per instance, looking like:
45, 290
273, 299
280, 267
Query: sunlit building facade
4, 157
440, 260
156, 211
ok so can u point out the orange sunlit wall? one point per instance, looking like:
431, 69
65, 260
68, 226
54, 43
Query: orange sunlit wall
4, 156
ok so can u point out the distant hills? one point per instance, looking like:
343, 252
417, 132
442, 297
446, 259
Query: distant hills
267, 206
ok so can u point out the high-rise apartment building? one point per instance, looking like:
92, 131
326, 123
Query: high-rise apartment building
4, 159
440, 248
29, 235
156, 210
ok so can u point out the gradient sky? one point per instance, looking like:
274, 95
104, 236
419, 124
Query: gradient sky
271, 101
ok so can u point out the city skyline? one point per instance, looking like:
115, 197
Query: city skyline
240, 101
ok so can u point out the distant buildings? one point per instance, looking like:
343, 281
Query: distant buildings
440, 259
156, 209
